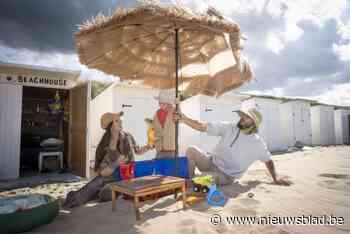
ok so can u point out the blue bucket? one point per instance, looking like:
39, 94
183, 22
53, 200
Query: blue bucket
215, 197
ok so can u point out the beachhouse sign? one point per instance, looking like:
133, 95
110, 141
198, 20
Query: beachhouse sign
37, 81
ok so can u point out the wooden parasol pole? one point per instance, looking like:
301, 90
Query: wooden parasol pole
176, 96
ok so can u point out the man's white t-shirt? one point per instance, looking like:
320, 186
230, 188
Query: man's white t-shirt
236, 151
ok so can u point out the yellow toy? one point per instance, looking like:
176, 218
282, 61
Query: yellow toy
203, 183
150, 133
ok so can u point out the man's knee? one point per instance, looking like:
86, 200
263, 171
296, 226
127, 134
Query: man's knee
191, 152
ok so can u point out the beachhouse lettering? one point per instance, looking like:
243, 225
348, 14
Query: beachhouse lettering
41, 81
36, 81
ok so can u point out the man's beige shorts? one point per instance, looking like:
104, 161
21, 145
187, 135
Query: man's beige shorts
203, 161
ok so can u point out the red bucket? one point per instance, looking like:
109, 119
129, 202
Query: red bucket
127, 171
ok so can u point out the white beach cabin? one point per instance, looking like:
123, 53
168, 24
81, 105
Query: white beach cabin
322, 125
296, 122
208, 109
342, 126
271, 126
26, 119
137, 103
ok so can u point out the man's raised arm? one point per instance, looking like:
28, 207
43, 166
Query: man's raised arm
202, 127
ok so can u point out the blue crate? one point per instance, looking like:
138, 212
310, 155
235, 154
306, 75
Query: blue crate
166, 167
144, 168
116, 174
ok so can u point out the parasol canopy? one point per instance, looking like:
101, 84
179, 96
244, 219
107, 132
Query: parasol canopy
138, 44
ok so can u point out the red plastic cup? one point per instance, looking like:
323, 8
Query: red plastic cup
127, 171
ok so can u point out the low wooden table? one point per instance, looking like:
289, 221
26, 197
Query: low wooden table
147, 185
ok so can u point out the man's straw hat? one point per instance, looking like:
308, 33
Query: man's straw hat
254, 114
108, 117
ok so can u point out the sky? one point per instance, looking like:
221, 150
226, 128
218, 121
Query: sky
297, 48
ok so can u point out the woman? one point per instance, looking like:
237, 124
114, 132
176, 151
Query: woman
115, 147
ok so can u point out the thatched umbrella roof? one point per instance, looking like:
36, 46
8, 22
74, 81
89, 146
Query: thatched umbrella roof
138, 44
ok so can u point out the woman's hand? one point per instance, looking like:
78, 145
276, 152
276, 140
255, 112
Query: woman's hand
143, 149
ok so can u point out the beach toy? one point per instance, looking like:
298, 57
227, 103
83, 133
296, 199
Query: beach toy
150, 136
150, 132
215, 197
202, 183
127, 171
124, 171
193, 199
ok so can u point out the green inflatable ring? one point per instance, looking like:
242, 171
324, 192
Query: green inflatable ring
27, 219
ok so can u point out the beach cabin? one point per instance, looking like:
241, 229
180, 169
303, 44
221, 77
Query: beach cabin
322, 124
137, 103
296, 122
342, 126
208, 109
37, 103
271, 126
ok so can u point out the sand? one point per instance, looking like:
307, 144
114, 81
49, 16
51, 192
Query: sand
321, 178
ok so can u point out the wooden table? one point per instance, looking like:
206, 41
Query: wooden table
147, 185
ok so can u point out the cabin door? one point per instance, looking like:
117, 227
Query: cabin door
78, 156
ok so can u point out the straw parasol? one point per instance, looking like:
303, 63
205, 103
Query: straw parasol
139, 44
154, 45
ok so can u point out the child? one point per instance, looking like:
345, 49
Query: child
164, 126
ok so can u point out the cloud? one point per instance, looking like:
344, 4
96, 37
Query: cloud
285, 67
336, 95
274, 43
296, 47
343, 51
54, 60
46, 26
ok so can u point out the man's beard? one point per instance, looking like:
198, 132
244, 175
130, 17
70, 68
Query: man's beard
247, 129
240, 125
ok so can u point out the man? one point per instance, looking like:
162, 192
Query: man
164, 126
238, 148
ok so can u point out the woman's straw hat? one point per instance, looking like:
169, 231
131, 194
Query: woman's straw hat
108, 117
